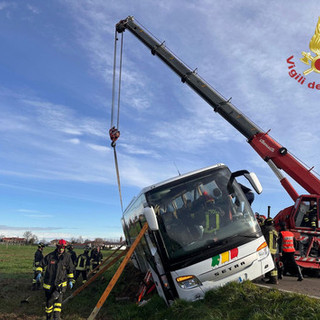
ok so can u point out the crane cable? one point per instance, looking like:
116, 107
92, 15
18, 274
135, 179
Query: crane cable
114, 130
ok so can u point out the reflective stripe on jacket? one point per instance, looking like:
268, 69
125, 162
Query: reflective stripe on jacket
271, 236
287, 241
59, 269
83, 262
38, 256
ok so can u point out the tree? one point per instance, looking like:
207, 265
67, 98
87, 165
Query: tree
80, 239
34, 239
28, 235
98, 241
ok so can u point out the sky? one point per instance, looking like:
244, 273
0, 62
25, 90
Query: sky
57, 171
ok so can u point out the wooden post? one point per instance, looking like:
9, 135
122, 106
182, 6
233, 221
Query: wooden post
117, 274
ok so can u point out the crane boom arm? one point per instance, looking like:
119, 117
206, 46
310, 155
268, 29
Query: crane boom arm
219, 104
272, 152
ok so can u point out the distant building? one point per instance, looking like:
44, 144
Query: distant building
13, 240
103, 244
112, 244
54, 242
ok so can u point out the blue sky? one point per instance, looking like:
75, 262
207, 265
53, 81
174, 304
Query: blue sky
57, 174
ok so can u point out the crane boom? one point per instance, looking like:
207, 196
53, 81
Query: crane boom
271, 151
219, 103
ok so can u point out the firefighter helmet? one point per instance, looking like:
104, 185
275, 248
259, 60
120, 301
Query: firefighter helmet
269, 222
62, 243
41, 245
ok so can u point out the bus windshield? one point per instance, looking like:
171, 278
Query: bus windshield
198, 213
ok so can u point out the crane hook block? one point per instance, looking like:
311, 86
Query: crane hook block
114, 135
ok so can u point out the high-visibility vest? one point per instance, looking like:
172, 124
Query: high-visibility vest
212, 222
287, 244
272, 241
82, 262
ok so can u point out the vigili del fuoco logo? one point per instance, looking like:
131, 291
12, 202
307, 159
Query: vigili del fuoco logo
307, 58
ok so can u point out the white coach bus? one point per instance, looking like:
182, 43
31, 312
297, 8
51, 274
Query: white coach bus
202, 233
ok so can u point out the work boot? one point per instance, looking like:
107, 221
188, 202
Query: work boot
273, 280
300, 277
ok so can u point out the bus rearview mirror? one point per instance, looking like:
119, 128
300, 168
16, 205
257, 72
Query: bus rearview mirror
254, 181
250, 176
151, 218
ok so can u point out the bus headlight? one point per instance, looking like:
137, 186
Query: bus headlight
262, 251
188, 282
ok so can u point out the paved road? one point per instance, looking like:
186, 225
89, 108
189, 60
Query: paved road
309, 286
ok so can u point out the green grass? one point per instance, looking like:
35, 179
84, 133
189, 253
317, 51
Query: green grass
232, 302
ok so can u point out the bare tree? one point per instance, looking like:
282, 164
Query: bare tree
28, 235
34, 239
80, 239
98, 241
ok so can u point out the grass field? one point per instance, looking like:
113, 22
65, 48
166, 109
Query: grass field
232, 302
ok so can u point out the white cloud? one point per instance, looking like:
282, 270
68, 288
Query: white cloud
4, 5
74, 141
4, 228
53, 233
72, 131
39, 216
99, 148
33, 9
28, 211
133, 149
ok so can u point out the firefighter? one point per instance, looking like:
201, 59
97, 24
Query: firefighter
286, 252
260, 219
58, 272
72, 253
214, 215
96, 257
310, 217
38, 256
83, 265
271, 236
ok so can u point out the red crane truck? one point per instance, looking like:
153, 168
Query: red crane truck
276, 156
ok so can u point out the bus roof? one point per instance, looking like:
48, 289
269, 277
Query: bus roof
159, 184
191, 173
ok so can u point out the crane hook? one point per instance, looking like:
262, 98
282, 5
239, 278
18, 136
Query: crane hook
114, 135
